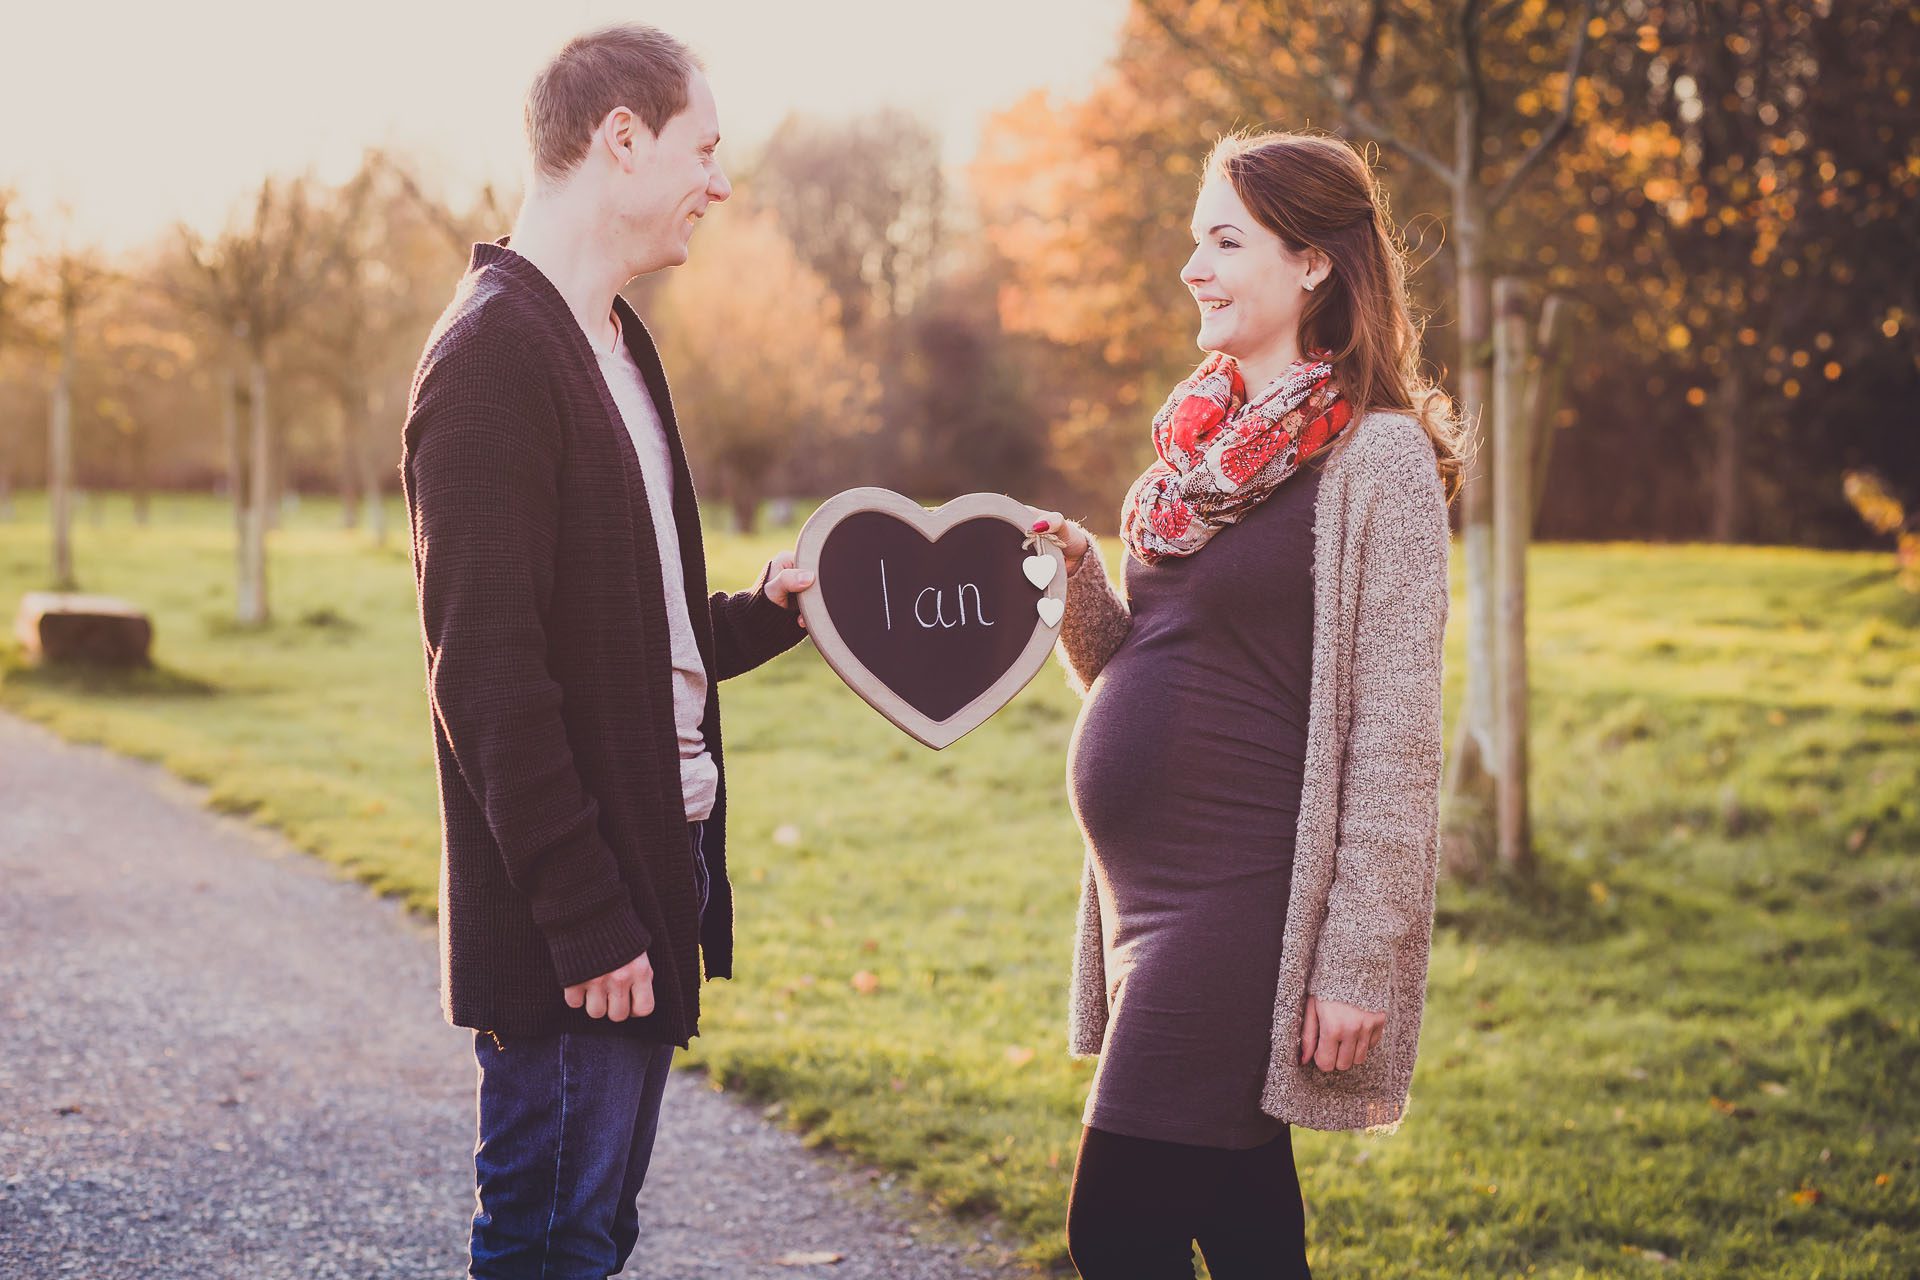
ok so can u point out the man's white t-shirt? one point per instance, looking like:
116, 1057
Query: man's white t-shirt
699, 775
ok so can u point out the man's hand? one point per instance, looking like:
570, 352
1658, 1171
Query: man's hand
783, 582
627, 991
1335, 1036
1073, 539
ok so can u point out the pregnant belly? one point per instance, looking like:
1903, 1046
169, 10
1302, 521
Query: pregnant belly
1166, 755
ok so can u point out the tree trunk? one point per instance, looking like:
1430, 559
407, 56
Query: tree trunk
351, 402
276, 489
372, 475
58, 627
6, 303
231, 395
1513, 517
253, 555
1546, 389
1474, 761
60, 451
746, 510
1724, 413
142, 477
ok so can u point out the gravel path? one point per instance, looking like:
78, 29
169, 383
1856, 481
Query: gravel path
221, 1061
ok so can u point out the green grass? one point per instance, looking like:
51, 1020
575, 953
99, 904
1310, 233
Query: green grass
1696, 1035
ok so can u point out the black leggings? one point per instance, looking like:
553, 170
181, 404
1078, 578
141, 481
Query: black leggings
1139, 1206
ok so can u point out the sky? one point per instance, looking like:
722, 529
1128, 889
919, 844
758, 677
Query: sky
118, 119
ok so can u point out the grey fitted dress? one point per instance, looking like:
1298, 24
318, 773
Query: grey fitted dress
1185, 776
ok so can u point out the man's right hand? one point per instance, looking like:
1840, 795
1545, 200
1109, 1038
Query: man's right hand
626, 992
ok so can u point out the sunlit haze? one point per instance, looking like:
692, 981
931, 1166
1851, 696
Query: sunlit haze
122, 118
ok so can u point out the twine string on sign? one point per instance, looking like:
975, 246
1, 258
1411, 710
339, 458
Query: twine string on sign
1034, 538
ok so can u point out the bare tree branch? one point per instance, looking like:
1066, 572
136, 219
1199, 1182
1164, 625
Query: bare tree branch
1246, 80
8, 291
1466, 51
460, 232
1354, 98
1562, 124
252, 281
438, 214
1498, 14
1375, 131
1350, 103
1362, 87
1359, 92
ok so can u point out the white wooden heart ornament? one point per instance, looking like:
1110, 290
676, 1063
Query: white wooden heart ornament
1040, 570
936, 618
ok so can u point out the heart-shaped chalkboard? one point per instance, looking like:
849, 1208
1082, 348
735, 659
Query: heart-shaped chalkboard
933, 617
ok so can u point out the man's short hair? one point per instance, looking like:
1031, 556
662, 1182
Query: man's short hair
627, 65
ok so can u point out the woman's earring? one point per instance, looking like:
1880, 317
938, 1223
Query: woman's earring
1309, 286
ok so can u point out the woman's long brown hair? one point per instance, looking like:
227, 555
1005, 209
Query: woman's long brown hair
1317, 192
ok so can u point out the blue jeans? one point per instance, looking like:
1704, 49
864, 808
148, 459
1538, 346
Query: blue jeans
566, 1133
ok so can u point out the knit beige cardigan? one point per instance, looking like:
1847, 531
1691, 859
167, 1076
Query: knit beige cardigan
1359, 923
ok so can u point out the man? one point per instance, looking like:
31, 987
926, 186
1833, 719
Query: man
571, 653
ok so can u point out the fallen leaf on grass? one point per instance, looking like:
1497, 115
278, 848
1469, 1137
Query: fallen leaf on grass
1727, 1108
866, 982
1019, 1055
1773, 1088
1806, 1196
808, 1258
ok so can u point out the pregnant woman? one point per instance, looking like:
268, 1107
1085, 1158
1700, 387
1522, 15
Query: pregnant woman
1257, 762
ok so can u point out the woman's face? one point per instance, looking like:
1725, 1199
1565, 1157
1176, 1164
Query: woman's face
1250, 288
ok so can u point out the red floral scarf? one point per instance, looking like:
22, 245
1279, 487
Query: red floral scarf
1221, 454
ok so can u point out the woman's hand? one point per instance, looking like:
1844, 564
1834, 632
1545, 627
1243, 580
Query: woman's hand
1073, 539
1335, 1036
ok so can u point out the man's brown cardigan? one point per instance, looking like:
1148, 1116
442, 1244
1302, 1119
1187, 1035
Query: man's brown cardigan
565, 842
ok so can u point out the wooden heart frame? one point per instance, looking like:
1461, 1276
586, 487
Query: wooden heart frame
931, 524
